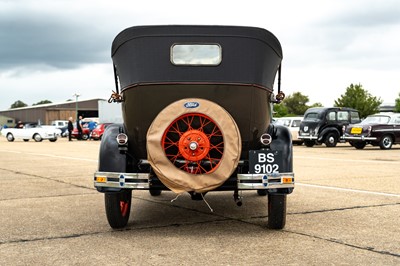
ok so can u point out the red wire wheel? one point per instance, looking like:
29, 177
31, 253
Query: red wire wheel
194, 143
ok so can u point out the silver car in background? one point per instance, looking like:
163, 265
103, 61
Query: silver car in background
293, 123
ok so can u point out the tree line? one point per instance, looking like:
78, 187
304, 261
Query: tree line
19, 104
354, 97
296, 104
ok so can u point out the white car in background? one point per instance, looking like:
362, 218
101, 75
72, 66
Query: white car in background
35, 132
293, 123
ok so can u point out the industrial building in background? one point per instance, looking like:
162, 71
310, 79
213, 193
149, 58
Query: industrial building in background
46, 113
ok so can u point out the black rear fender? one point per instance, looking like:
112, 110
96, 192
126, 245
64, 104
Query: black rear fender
110, 158
282, 141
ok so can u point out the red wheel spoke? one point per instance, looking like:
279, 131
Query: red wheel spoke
175, 129
172, 157
194, 143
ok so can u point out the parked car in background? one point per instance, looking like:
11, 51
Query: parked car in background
293, 123
325, 125
98, 132
381, 130
62, 125
85, 132
56, 130
30, 131
59, 123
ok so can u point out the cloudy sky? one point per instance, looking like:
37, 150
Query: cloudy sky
50, 49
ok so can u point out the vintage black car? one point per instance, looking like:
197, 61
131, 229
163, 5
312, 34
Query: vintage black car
381, 130
196, 104
325, 125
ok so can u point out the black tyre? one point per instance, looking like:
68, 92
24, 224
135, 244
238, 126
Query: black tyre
26, 140
37, 138
10, 137
386, 142
331, 139
276, 211
262, 192
359, 145
309, 143
118, 208
155, 192
53, 140
85, 136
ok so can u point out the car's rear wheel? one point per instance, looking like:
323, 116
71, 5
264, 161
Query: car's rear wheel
359, 145
85, 136
276, 211
53, 140
118, 208
386, 142
331, 139
10, 137
309, 143
37, 137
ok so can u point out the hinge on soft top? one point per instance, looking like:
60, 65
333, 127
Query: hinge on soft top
281, 95
115, 97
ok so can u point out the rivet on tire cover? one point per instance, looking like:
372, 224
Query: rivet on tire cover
179, 180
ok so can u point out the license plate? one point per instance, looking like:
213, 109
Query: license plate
264, 162
356, 130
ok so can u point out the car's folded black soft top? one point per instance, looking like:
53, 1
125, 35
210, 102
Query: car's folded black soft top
250, 55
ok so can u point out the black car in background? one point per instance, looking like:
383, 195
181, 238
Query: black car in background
325, 125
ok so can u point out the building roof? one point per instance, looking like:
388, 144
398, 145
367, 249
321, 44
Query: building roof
56, 105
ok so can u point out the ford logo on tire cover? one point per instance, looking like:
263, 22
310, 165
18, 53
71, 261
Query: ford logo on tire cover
191, 104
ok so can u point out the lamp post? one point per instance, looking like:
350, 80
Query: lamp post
76, 95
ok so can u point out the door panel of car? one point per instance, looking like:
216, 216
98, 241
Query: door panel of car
396, 129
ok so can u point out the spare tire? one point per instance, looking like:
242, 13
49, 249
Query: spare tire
193, 145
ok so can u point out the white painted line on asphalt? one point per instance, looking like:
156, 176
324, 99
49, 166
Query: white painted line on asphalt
51, 155
348, 160
350, 190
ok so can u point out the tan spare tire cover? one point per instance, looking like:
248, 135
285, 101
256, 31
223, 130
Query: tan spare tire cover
179, 180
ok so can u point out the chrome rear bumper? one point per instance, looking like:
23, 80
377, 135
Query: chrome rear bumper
244, 181
360, 138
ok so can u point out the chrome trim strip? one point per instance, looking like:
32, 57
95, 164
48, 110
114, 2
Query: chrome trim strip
264, 181
308, 137
122, 180
360, 138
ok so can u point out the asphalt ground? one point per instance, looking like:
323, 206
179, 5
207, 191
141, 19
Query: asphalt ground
345, 210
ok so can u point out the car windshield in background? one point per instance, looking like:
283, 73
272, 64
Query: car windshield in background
376, 120
312, 116
296, 123
283, 122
